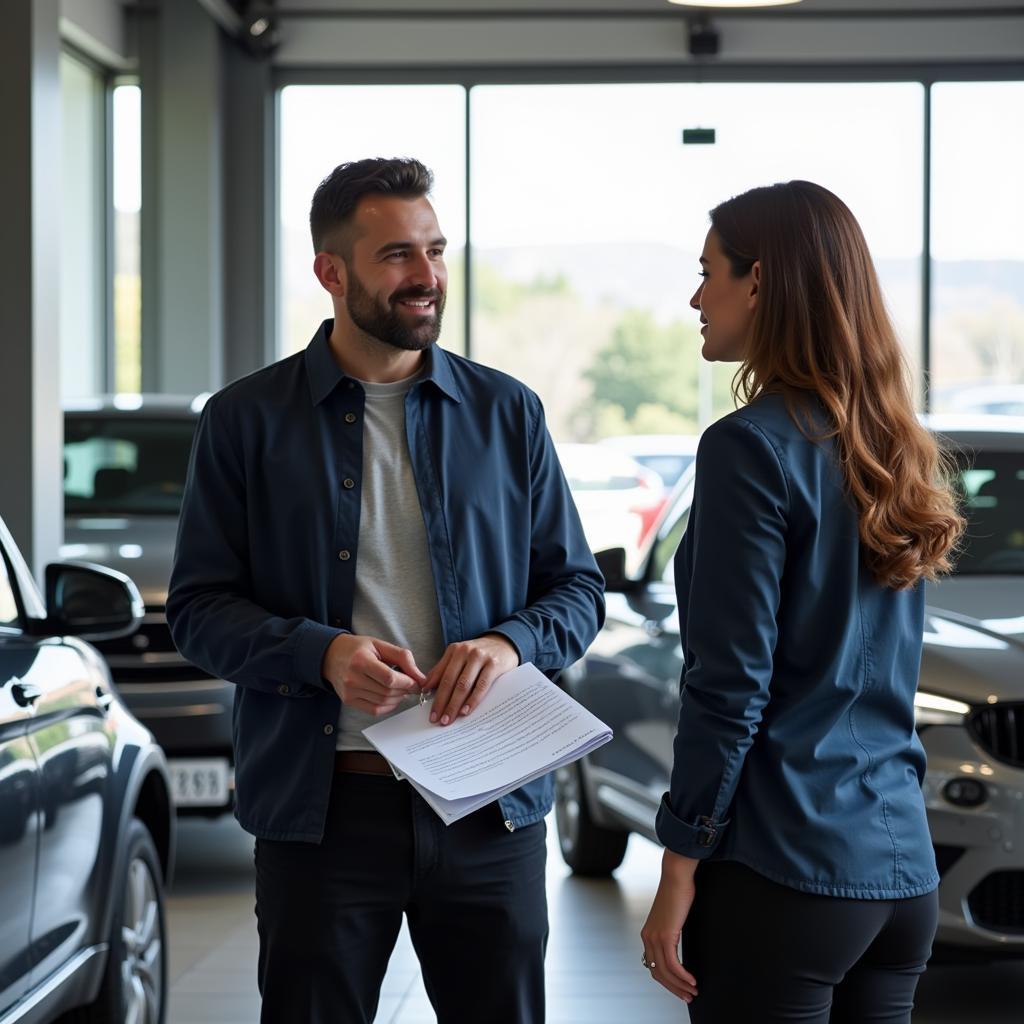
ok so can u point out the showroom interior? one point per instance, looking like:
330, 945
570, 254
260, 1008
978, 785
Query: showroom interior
156, 248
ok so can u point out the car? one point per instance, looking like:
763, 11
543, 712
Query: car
125, 463
668, 455
969, 704
619, 501
988, 399
86, 822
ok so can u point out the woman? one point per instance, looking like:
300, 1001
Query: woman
818, 510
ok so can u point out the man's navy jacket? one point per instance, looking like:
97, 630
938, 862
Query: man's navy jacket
267, 557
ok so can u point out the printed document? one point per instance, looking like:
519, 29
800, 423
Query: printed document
524, 727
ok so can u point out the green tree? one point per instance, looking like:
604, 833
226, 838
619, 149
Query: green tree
647, 365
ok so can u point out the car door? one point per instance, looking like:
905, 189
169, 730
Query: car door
73, 747
632, 679
18, 798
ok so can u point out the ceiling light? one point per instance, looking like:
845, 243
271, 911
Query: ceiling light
733, 3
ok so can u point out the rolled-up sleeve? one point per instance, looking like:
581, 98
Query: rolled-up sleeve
214, 621
729, 595
565, 598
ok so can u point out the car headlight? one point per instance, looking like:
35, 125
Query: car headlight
931, 709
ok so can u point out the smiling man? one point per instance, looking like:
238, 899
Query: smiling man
366, 521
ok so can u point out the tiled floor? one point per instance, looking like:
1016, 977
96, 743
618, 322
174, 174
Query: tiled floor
593, 968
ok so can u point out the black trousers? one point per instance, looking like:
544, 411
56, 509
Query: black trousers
329, 914
765, 952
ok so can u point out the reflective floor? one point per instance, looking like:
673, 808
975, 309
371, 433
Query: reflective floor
593, 964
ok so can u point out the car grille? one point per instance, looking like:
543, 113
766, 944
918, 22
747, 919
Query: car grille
149, 653
1000, 731
997, 902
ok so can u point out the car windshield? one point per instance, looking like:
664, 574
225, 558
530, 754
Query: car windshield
669, 467
991, 488
125, 465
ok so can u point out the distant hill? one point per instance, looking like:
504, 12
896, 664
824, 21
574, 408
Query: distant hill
662, 278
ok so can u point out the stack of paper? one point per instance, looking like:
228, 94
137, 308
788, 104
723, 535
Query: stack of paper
524, 727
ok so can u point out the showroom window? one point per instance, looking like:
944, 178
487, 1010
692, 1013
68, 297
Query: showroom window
83, 276
588, 215
977, 248
586, 212
127, 284
323, 126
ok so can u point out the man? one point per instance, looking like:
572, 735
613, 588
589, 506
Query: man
365, 520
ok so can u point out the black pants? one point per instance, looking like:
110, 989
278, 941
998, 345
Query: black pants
329, 914
763, 952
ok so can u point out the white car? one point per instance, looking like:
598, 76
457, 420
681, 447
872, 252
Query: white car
669, 455
619, 501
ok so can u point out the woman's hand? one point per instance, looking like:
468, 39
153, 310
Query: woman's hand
664, 925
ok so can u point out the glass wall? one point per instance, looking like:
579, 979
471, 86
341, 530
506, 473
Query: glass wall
588, 211
82, 269
588, 214
323, 126
977, 248
127, 284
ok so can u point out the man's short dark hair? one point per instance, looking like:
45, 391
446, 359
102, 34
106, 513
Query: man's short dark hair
336, 197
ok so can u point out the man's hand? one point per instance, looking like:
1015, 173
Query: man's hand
465, 673
370, 674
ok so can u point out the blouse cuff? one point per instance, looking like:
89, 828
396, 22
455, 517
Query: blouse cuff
697, 840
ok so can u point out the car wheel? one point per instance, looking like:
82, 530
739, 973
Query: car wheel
588, 848
135, 980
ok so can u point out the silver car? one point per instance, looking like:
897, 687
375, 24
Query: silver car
970, 704
125, 461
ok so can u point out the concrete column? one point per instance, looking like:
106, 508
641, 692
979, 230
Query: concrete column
31, 499
250, 227
182, 199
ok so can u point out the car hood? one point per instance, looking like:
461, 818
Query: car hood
997, 602
140, 547
973, 648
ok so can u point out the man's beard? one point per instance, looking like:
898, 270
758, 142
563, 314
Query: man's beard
382, 319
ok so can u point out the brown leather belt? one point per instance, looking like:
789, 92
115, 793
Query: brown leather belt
364, 762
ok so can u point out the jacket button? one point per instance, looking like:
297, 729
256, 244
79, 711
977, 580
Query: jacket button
284, 689
350, 417
348, 483
328, 729
344, 554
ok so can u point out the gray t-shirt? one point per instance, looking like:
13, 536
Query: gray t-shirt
395, 599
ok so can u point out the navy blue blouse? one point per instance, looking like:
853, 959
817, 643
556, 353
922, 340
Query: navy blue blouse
796, 752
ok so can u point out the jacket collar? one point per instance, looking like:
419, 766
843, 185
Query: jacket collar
325, 374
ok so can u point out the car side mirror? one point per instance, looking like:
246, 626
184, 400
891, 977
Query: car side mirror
91, 601
612, 563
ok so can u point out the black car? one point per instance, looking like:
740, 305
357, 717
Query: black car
86, 824
969, 705
125, 462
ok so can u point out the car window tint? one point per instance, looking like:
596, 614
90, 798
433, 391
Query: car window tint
668, 467
991, 493
665, 550
126, 465
8, 603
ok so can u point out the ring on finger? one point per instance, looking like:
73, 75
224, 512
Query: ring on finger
649, 964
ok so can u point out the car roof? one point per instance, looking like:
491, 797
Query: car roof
137, 405
653, 444
997, 433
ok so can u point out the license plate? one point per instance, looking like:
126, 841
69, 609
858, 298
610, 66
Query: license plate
200, 783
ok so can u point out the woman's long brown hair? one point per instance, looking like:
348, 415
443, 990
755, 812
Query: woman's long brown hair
821, 329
